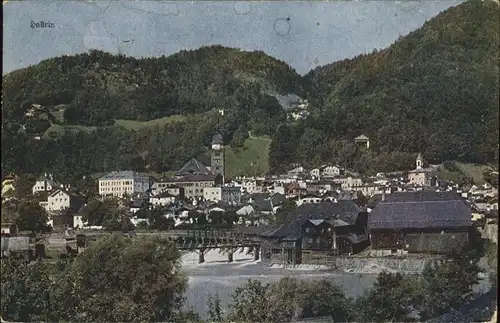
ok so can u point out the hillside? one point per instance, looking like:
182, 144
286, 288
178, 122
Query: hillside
434, 90
96, 87
153, 113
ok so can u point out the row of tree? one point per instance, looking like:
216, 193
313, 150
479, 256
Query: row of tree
443, 285
125, 279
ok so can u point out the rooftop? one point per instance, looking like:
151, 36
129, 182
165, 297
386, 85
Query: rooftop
125, 174
217, 139
422, 209
362, 137
193, 166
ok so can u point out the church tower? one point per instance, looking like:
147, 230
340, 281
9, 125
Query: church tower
420, 161
217, 156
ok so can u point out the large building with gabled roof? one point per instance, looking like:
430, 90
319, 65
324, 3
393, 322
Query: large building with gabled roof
420, 222
193, 167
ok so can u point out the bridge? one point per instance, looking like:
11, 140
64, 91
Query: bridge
200, 240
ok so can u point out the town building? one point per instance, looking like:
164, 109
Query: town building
62, 199
419, 222
226, 194
317, 233
124, 183
8, 184
45, 183
420, 176
162, 199
362, 141
192, 184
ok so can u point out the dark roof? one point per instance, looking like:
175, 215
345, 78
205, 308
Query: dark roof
259, 196
422, 196
138, 203
163, 194
193, 178
277, 199
424, 209
217, 139
346, 211
193, 166
263, 205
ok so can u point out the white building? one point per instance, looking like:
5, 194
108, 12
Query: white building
45, 183
62, 199
213, 194
162, 199
308, 199
78, 222
124, 182
330, 171
348, 183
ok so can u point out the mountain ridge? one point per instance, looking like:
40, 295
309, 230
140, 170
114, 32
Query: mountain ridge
422, 94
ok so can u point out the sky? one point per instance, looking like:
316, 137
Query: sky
303, 34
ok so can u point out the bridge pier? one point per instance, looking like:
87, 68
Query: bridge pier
256, 253
230, 253
201, 256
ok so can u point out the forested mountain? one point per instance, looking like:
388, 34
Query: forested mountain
98, 86
433, 91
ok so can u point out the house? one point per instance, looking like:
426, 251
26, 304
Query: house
419, 222
348, 183
193, 184
62, 199
8, 229
138, 204
161, 186
162, 199
78, 222
8, 184
315, 173
362, 141
308, 198
369, 189
124, 183
226, 194
231, 195
420, 176
45, 183
297, 171
317, 234
330, 171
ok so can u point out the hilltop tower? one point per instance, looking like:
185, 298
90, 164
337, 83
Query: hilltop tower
217, 156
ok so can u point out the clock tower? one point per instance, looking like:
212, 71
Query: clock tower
217, 156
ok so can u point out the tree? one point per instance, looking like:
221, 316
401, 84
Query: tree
250, 303
289, 299
215, 309
32, 217
323, 298
25, 291
123, 279
24, 185
448, 283
391, 299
